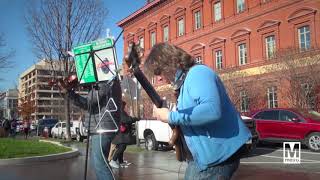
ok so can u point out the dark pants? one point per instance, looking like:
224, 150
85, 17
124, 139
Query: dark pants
118, 155
219, 172
26, 132
222, 171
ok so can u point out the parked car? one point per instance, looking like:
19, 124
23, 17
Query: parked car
155, 132
19, 126
279, 125
42, 123
251, 124
59, 130
80, 130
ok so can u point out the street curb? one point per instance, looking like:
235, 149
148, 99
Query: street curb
51, 157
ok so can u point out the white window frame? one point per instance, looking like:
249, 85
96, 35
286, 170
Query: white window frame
129, 46
242, 52
244, 101
270, 46
219, 59
272, 97
310, 97
240, 6
141, 42
197, 20
303, 33
153, 38
165, 33
217, 11
181, 27
199, 60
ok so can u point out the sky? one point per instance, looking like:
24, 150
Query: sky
13, 27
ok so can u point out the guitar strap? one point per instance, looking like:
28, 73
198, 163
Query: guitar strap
184, 150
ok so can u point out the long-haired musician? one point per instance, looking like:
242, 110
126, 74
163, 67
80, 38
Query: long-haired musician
213, 130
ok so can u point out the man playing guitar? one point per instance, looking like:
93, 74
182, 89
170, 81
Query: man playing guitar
212, 128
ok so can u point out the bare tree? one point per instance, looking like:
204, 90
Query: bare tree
298, 72
4, 54
55, 26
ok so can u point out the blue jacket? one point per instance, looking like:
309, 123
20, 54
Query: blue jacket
211, 125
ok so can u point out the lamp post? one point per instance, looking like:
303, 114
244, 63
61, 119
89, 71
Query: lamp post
136, 98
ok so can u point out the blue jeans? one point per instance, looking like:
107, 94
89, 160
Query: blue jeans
218, 172
99, 154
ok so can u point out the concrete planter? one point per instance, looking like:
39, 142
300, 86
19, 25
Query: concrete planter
36, 159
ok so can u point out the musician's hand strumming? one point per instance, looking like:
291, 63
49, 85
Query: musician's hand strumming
162, 114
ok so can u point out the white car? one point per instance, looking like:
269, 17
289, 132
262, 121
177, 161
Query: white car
59, 130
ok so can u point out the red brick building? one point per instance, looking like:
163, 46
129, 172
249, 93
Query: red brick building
248, 42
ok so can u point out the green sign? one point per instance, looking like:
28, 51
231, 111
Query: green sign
101, 44
82, 53
80, 62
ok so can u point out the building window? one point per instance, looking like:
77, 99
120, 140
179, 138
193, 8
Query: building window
244, 101
181, 27
141, 42
304, 37
199, 60
165, 34
217, 11
242, 50
240, 6
153, 38
129, 46
197, 20
270, 46
219, 59
272, 97
309, 95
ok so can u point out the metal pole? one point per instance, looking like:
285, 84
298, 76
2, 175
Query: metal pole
88, 136
138, 113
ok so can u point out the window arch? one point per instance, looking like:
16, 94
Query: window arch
197, 51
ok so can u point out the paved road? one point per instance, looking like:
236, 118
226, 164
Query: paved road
264, 164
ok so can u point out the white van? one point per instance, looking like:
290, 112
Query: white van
154, 132
59, 130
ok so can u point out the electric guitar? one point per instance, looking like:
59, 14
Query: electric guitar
133, 63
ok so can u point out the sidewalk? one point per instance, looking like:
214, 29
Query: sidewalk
146, 165
157, 165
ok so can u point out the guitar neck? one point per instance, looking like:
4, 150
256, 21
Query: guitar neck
154, 96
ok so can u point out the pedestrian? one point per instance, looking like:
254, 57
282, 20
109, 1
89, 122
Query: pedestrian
123, 138
6, 126
26, 127
96, 104
13, 128
213, 131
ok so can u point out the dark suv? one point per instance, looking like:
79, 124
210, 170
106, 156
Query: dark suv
42, 123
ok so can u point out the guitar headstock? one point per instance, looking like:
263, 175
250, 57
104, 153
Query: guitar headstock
133, 61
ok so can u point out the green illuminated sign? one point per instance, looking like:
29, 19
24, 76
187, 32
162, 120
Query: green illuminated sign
82, 53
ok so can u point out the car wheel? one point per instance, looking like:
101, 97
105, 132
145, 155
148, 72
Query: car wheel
151, 143
313, 142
